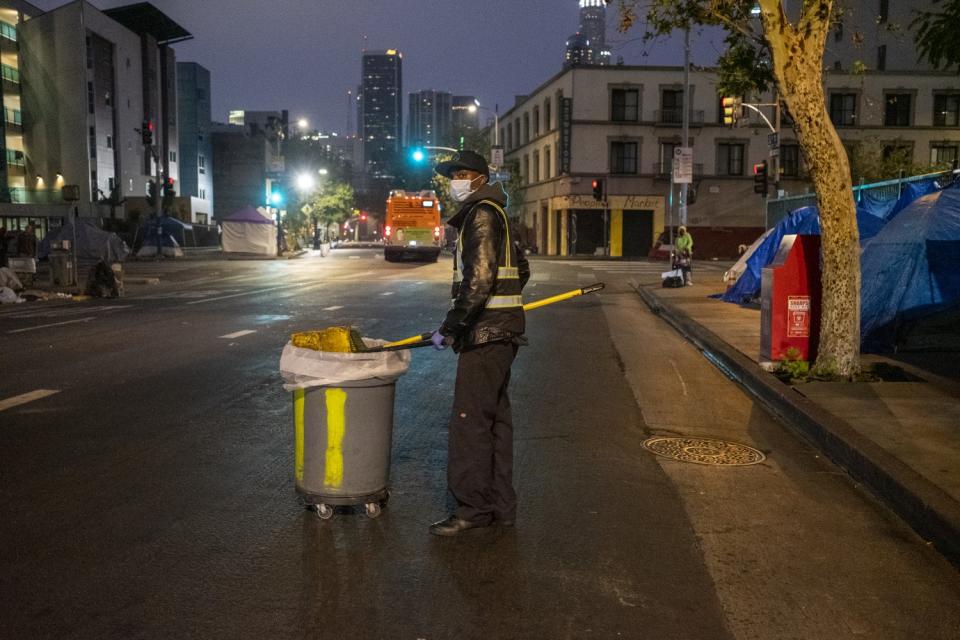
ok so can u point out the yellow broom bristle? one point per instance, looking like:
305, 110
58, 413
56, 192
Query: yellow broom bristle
332, 339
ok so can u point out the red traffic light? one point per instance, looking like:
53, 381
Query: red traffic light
760, 169
595, 184
363, 216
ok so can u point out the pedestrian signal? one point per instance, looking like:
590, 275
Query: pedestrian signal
732, 109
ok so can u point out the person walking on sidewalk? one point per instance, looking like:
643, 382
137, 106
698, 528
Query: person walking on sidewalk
684, 250
485, 326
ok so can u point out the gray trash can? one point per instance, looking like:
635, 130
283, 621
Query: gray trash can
343, 437
61, 268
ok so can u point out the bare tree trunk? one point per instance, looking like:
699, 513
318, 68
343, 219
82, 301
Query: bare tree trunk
798, 67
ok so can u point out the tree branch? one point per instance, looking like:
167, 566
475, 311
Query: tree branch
731, 24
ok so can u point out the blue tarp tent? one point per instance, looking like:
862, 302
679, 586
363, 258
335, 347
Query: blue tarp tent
911, 269
164, 235
872, 214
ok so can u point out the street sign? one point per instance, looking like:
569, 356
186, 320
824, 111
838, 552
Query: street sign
566, 133
500, 176
496, 156
774, 152
683, 165
773, 140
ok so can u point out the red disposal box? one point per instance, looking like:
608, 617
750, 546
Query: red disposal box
790, 300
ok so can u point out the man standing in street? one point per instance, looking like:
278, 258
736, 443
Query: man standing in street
485, 325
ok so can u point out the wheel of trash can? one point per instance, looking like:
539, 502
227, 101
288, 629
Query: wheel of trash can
324, 511
373, 509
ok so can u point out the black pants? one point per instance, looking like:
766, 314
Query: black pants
480, 451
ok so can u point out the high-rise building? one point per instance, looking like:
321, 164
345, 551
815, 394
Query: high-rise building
104, 73
589, 44
429, 119
196, 146
878, 34
381, 111
465, 119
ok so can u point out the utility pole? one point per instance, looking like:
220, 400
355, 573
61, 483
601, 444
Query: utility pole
684, 188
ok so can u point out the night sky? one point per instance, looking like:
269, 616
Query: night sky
303, 55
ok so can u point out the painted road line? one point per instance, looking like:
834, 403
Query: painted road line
238, 334
24, 398
354, 257
387, 293
250, 293
333, 308
54, 324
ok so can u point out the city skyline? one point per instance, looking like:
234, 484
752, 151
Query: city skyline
530, 40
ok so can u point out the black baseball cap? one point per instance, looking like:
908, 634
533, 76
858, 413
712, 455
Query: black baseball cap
464, 160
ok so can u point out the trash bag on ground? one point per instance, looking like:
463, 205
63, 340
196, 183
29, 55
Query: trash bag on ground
102, 282
9, 279
7, 296
307, 368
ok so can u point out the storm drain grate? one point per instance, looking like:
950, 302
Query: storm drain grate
703, 451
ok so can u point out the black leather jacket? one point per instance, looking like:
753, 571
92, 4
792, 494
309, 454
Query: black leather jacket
481, 256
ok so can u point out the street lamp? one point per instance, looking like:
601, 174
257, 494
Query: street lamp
303, 123
305, 182
496, 120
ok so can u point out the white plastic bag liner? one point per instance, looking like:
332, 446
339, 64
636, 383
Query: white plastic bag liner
306, 368
7, 296
676, 273
9, 279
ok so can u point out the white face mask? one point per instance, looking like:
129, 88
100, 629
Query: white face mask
460, 190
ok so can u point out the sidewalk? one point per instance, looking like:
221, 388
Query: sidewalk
899, 439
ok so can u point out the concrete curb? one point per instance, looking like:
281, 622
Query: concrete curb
929, 510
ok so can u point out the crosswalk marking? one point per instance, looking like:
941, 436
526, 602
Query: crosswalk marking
24, 398
238, 334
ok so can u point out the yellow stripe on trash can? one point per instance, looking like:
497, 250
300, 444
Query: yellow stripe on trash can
336, 425
298, 434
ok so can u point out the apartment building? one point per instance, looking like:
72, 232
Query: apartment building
622, 124
196, 143
92, 79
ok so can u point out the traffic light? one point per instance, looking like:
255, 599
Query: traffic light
418, 155
760, 178
168, 186
146, 132
276, 198
597, 185
363, 216
732, 109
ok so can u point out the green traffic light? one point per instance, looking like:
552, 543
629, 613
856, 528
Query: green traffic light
418, 155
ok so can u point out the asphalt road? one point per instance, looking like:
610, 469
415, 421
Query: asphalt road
146, 483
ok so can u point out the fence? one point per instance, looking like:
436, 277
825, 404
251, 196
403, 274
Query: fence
779, 208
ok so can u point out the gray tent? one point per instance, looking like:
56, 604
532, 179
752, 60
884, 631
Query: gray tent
93, 244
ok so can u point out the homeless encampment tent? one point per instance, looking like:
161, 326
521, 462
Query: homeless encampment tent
248, 231
164, 236
93, 244
911, 270
872, 214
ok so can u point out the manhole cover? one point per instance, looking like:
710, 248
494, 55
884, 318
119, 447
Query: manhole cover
702, 451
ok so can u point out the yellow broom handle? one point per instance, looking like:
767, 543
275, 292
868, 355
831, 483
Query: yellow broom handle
527, 307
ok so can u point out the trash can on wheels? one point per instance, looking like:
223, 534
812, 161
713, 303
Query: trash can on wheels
342, 445
343, 424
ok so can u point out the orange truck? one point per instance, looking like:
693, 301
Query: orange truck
412, 229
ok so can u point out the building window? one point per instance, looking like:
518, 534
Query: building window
526, 169
547, 115
665, 164
897, 110
546, 163
8, 31
623, 157
625, 105
94, 186
943, 153
509, 137
202, 218
107, 99
671, 106
89, 53
111, 183
201, 164
882, 58
790, 160
946, 109
93, 142
536, 122
526, 128
90, 98
884, 14
109, 142
838, 32
843, 109
203, 194
536, 166
730, 159
173, 156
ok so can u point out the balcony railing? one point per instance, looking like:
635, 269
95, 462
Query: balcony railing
675, 116
15, 158
8, 31
11, 74
663, 169
19, 195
